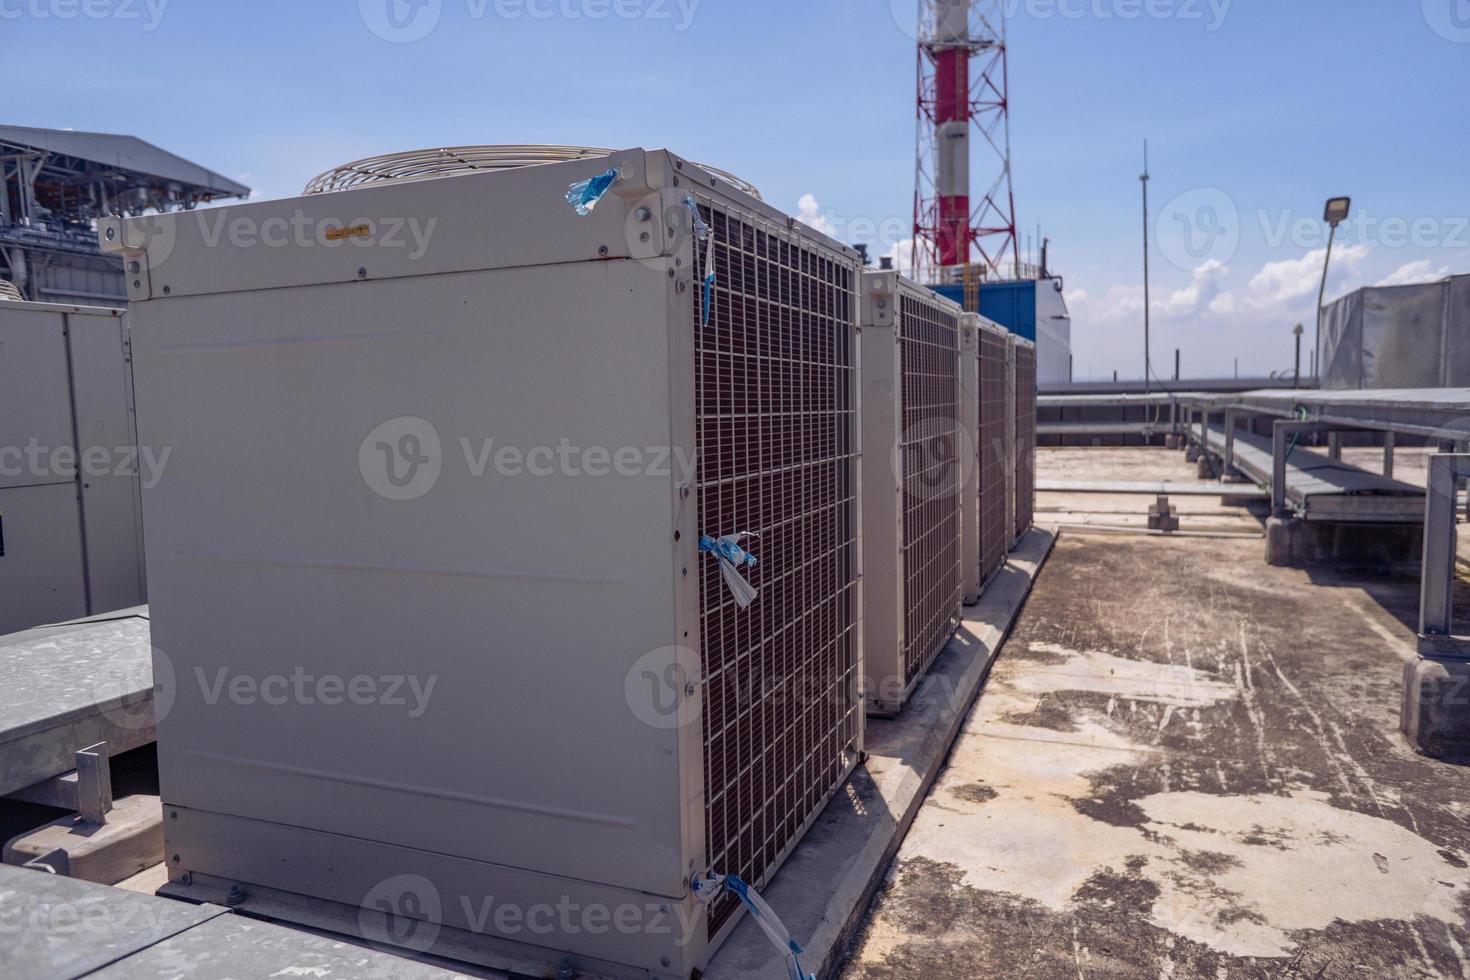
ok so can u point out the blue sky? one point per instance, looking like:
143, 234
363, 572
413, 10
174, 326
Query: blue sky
1256, 111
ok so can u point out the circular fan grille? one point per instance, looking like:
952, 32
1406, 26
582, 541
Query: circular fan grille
8, 291
450, 160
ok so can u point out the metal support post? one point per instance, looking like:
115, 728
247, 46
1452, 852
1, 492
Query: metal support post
1281, 432
1436, 606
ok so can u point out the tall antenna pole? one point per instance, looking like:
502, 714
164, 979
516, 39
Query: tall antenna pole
1147, 359
963, 92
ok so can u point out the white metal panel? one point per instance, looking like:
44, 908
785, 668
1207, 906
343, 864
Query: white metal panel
41, 576
111, 466
882, 516
970, 446
472, 583
35, 400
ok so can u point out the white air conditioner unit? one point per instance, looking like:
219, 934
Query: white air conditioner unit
71, 529
993, 446
915, 451
491, 464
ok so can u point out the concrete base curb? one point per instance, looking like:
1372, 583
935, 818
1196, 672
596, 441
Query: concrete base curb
824, 889
1436, 710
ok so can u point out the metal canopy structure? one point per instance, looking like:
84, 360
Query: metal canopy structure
55, 185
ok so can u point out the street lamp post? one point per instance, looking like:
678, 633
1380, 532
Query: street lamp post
1336, 212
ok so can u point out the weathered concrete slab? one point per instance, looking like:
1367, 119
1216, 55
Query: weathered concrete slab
231, 947
823, 890
54, 928
1186, 764
70, 686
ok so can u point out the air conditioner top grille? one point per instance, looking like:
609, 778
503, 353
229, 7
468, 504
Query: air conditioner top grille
8, 291
448, 161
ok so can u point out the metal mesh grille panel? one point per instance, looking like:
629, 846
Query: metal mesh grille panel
1025, 437
993, 394
929, 373
775, 402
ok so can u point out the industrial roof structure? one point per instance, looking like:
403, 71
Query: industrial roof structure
55, 184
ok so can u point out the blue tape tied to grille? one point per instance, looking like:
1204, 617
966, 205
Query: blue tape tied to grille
704, 233
731, 557
584, 194
711, 888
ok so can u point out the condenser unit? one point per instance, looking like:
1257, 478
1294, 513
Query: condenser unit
993, 408
1025, 456
913, 475
71, 533
525, 466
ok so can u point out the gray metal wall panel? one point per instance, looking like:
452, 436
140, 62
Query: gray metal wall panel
1403, 336
41, 578
1457, 333
35, 403
1415, 336
111, 509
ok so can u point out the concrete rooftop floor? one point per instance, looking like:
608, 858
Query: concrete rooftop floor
1185, 763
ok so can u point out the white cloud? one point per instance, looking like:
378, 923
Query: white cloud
1076, 297
1290, 279
1415, 272
1202, 292
809, 212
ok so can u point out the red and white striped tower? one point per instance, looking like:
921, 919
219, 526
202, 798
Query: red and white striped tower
962, 85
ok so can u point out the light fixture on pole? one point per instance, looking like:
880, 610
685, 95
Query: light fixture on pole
1336, 213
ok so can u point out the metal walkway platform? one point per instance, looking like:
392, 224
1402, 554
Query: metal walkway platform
69, 686
1154, 488
1322, 489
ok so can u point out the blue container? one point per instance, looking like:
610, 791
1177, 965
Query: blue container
1010, 304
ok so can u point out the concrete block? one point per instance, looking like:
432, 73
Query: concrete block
1392, 548
1436, 709
1283, 537
1162, 515
1171, 442
1191, 454
1205, 466
130, 840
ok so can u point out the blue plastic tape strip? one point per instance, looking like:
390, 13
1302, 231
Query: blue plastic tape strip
708, 889
731, 556
704, 233
584, 194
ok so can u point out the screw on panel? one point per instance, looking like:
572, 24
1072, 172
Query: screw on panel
361, 271
643, 214
602, 250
